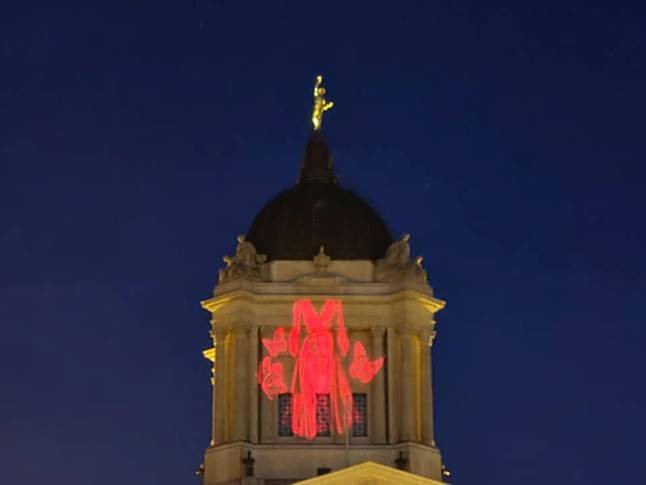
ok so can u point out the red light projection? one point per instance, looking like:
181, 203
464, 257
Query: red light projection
270, 377
318, 342
276, 345
363, 369
317, 368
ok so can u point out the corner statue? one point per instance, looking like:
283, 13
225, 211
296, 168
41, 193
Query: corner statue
245, 264
321, 105
397, 265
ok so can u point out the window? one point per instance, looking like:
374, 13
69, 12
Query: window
322, 415
284, 414
359, 415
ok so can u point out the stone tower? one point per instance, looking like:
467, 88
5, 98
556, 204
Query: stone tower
322, 328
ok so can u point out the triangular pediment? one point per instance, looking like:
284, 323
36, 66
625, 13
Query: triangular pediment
370, 473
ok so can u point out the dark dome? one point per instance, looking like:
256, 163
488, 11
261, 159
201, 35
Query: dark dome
317, 212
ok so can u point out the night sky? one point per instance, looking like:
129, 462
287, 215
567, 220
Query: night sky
139, 138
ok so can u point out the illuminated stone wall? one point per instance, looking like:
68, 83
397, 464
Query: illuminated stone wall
389, 320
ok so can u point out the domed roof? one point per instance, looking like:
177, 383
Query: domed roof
317, 212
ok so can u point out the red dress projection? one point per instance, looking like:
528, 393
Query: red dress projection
319, 342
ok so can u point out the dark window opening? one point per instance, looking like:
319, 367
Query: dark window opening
322, 415
359, 415
285, 414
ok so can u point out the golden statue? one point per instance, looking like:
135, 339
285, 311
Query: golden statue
321, 105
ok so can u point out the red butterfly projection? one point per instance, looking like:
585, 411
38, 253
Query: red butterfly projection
276, 345
271, 379
362, 368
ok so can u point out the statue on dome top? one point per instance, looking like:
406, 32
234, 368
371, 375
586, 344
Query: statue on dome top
321, 105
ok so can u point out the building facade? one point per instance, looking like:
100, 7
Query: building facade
322, 328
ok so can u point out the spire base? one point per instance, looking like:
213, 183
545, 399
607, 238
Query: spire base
317, 164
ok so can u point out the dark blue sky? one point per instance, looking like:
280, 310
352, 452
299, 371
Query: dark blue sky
138, 138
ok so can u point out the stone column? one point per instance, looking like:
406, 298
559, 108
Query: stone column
241, 384
267, 407
393, 364
378, 401
219, 387
409, 376
427, 387
253, 383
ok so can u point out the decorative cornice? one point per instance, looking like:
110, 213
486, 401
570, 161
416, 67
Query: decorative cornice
432, 304
283, 292
209, 354
213, 304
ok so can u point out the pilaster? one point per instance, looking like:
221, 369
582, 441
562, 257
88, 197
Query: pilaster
267, 407
253, 383
393, 367
378, 401
241, 384
425, 337
219, 387
408, 413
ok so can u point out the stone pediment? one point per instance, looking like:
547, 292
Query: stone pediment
369, 473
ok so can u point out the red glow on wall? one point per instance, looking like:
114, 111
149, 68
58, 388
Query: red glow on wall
277, 344
318, 343
362, 368
270, 377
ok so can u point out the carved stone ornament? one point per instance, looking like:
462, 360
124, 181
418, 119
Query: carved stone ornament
321, 261
246, 263
398, 266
